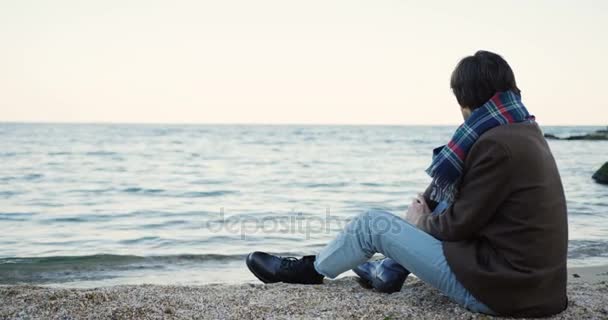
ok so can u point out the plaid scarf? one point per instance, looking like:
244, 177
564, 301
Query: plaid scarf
447, 165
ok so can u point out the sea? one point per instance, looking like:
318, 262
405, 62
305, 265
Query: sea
88, 205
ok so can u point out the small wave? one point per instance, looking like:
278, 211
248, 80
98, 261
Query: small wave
187, 194
60, 153
326, 185
82, 218
143, 214
111, 169
91, 191
140, 240
371, 184
58, 269
206, 181
43, 203
580, 249
419, 141
259, 142
8, 194
67, 219
27, 177
142, 190
8, 154
205, 194
33, 176
15, 216
114, 259
165, 224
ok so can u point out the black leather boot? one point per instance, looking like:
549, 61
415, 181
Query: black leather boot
270, 269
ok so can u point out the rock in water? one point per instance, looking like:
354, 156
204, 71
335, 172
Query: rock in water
596, 135
601, 175
552, 136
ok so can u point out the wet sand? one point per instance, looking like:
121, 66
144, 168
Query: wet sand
339, 299
588, 274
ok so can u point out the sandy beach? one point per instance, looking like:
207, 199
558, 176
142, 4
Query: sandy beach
339, 299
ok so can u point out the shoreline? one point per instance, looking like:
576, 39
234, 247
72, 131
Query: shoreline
588, 274
336, 299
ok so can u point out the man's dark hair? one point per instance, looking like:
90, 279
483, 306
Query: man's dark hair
477, 78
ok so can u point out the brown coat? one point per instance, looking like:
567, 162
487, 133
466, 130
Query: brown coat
506, 235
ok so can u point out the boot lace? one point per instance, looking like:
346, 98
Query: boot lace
289, 262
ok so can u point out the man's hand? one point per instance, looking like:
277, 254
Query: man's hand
418, 208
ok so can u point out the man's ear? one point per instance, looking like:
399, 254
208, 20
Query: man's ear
466, 112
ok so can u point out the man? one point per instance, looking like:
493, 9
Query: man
500, 246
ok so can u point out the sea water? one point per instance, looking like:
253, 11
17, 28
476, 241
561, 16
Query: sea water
96, 204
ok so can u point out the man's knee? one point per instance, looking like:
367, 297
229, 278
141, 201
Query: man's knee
377, 221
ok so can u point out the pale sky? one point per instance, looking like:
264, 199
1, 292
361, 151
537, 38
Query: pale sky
284, 61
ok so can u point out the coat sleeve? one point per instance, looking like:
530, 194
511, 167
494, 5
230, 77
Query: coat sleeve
484, 187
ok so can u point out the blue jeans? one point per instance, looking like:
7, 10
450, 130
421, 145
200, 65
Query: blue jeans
382, 232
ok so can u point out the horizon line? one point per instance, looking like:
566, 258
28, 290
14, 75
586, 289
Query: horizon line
264, 124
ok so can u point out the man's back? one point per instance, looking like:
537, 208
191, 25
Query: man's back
506, 235
534, 214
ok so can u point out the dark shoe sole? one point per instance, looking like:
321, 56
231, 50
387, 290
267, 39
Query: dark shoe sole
248, 262
364, 283
362, 280
387, 288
